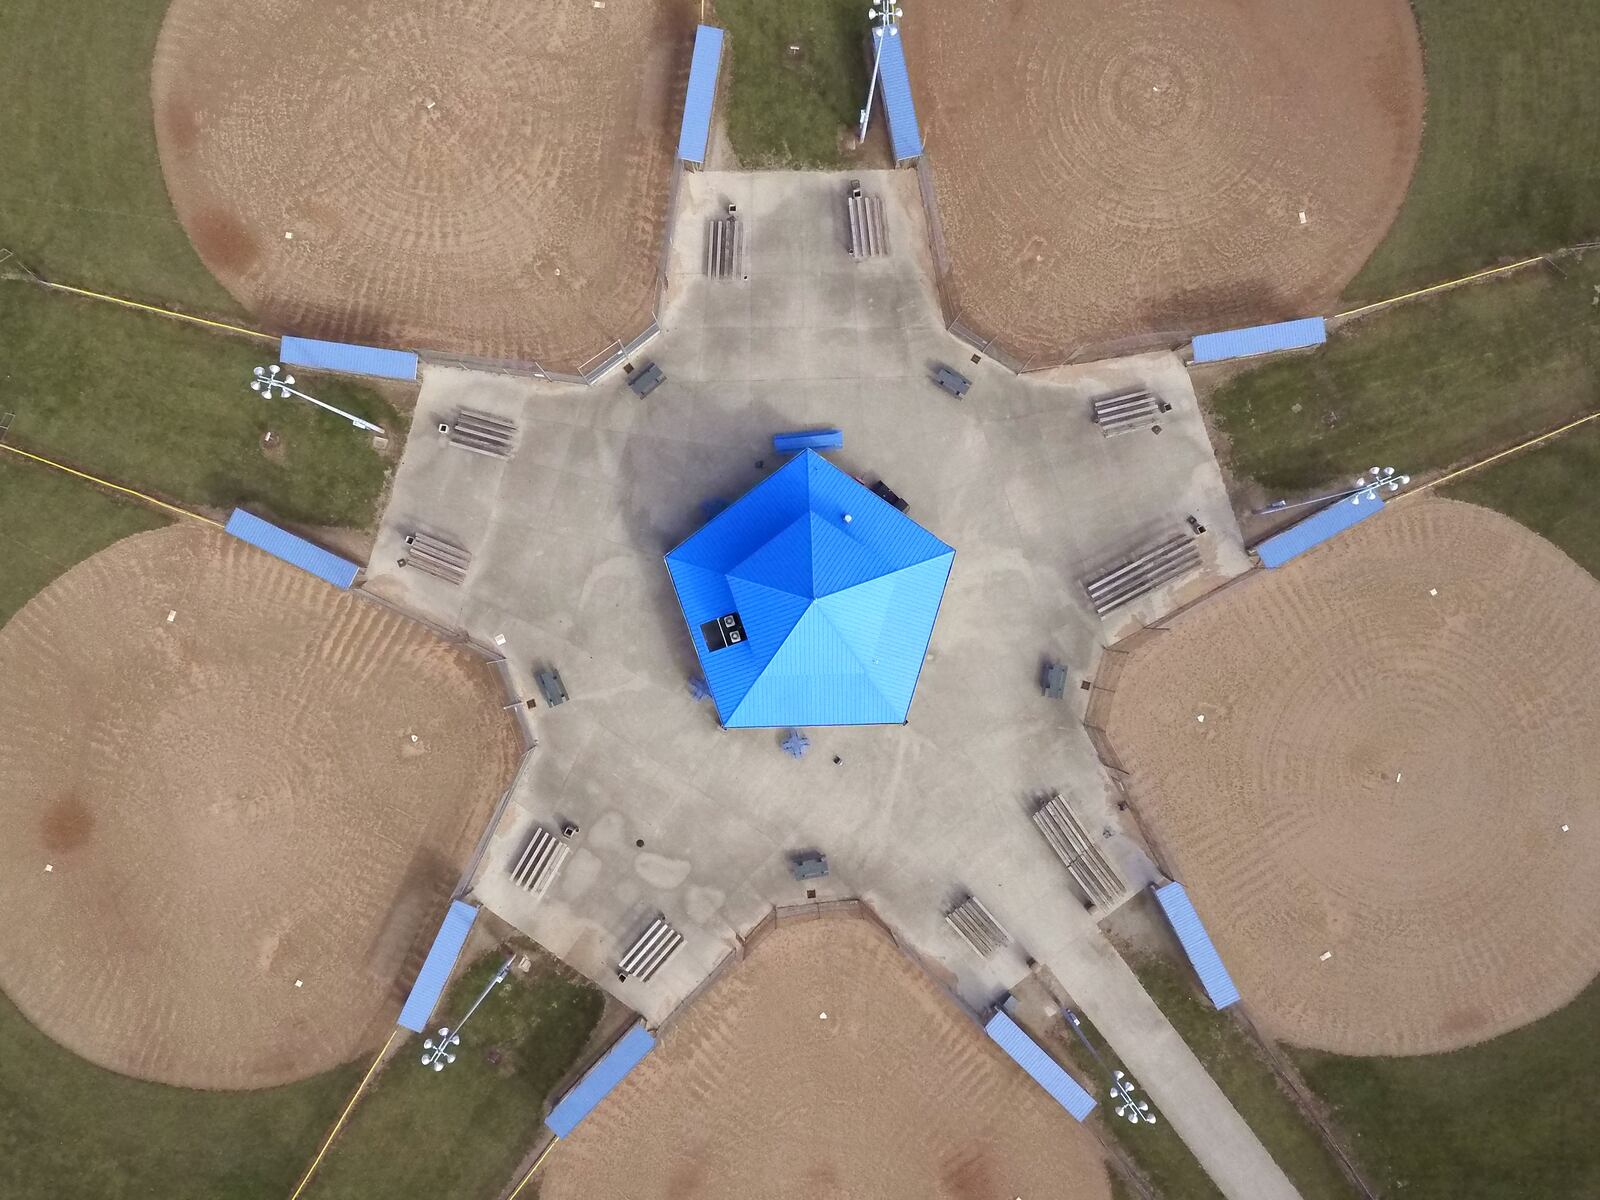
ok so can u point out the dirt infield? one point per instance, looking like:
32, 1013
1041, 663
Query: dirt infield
481, 176
894, 1094
1397, 728
1112, 168
229, 802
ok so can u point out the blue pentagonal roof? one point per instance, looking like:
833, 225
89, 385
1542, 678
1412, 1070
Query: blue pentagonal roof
834, 616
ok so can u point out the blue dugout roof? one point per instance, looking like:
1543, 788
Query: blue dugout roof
833, 617
697, 105
1046, 1072
1260, 339
1185, 922
626, 1054
437, 966
1313, 531
348, 357
294, 550
895, 82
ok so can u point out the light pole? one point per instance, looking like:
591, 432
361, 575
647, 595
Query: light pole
438, 1054
1365, 491
1122, 1088
272, 384
887, 16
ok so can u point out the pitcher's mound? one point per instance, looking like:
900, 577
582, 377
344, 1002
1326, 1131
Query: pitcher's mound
1398, 768
229, 836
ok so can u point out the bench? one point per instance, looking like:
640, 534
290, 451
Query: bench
555, 692
809, 866
951, 382
642, 383
807, 439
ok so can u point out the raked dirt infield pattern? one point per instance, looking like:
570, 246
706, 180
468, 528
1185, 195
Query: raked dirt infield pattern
1114, 168
894, 1094
487, 177
1398, 767
281, 783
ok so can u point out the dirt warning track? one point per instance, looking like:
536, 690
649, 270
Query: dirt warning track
1113, 168
1397, 768
281, 783
487, 177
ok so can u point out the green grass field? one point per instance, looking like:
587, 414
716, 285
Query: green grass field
164, 407
71, 1129
1510, 162
459, 1134
82, 199
1512, 1117
48, 521
786, 110
1247, 1079
1423, 385
1550, 489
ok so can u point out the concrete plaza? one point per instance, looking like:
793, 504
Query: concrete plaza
681, 818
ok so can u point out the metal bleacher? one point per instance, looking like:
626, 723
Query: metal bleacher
1155, 564
437, 557
653, 948
539, 864
725, 248
482, 433
1089, 869
1127, 411
869, 231
977, 927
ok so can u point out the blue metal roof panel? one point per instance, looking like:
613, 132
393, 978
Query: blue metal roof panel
295, 551
1260, 339
702, 94
437, 966
837, 614
597, 1083
349, 358
904, 135
1314, 530
1185, 922
1046, 1072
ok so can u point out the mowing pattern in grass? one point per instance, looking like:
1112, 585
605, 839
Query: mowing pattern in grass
459, 1134
48, 521
71, 1129
82, 199
165, 407
1510, 1117
1247, 1079
790, 110
1510, 162
1550, 490
1156, 1150
1423, 385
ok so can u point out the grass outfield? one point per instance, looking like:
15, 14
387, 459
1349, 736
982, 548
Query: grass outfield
785, 110
165, 408
1550, 490
1512, 1117
1421, 386
459, 1134
82, 199
1510, 162
68, 1128
49, 521
1248, 1080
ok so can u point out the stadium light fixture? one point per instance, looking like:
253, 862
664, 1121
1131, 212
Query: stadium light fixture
886, 16
1133, 1110
275, 384
438, 1054
1364, 491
